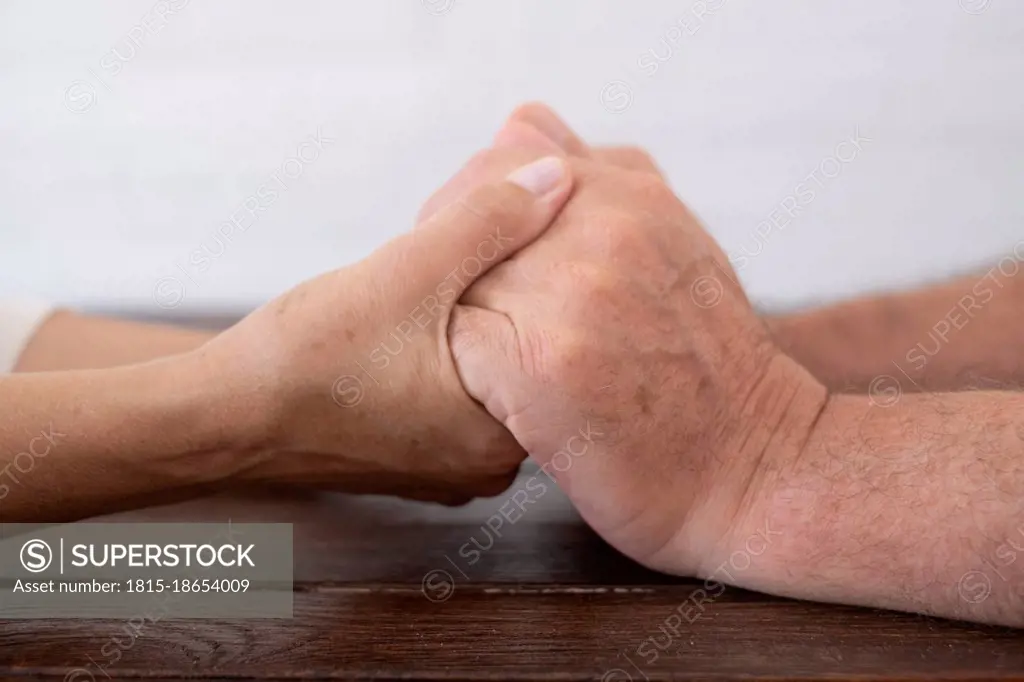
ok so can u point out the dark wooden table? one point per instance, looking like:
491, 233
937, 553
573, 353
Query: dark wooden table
381, 591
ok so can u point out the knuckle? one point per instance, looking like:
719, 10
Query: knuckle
621, 229
581, 278
563, 349
600, 283
464, 335
568, 356
650, 188
634, 158
593, 288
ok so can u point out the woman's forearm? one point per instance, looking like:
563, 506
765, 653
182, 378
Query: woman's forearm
80, 443
69, 341
963, 334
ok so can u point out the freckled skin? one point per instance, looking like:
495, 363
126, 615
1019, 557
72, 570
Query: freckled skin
614, 337
746, 471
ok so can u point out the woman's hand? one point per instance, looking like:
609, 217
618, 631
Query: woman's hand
347, 381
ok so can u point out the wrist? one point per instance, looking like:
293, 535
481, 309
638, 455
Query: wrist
229, 415
768, 437
763, 543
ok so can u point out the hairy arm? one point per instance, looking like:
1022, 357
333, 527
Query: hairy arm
916, 506
962, 334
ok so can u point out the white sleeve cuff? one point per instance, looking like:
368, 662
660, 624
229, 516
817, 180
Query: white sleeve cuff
19, 321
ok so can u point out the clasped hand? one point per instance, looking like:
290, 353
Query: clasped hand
558, 301
486, 334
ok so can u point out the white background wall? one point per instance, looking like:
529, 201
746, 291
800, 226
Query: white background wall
106, 187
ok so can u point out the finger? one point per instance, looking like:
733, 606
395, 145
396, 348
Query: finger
544, 119
464, 240
519, 134
485, 348
516, 144
531, 131
459, 185
632, 158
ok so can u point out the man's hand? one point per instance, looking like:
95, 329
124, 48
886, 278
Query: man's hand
692, 444
654, 406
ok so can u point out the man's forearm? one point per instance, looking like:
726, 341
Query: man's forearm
75, 444
917, 506
962, 334
68, 341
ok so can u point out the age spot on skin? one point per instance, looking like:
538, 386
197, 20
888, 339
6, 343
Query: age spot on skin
643, 399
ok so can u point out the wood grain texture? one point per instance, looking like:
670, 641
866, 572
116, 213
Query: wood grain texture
383, 592
530, 633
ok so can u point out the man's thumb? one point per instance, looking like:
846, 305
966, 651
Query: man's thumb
462, 241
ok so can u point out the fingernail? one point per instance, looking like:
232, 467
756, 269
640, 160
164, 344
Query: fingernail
539, 177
